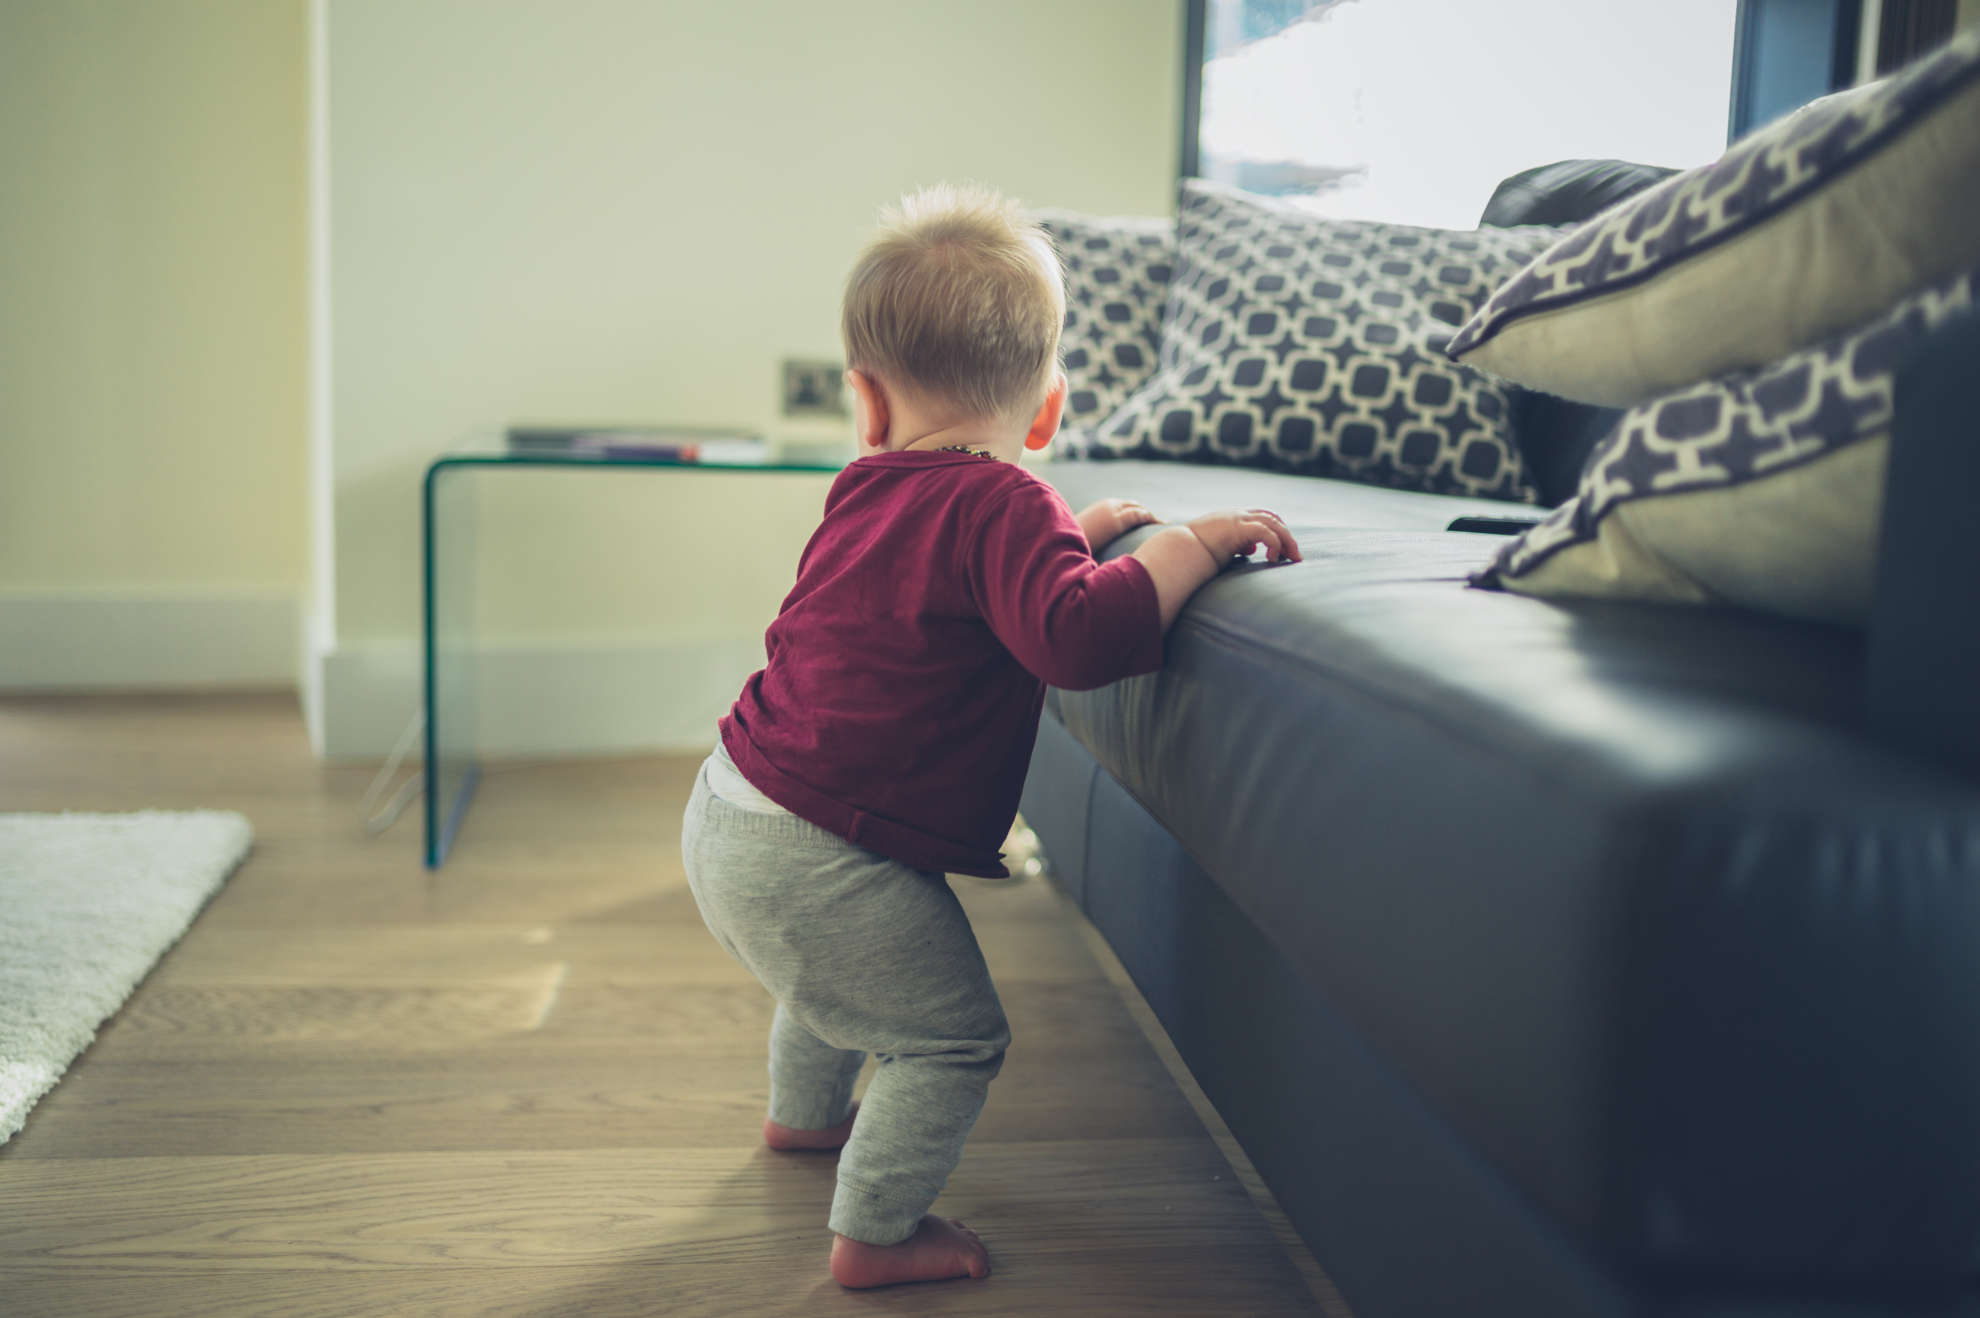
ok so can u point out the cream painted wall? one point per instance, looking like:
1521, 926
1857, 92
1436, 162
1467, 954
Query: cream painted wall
629, 210
152, 307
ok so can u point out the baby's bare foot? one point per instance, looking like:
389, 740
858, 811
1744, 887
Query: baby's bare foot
940, 1248
790, 1138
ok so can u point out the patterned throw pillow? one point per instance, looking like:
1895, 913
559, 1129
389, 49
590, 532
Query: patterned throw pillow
1313, 346
1806, 227
1117, 280
1764, 489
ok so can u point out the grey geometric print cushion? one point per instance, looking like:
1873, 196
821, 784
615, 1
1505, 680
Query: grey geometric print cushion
1117, 280
1763, 489
1806, 227
1314, 346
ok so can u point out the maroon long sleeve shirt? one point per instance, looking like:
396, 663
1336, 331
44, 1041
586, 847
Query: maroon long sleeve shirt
907, 666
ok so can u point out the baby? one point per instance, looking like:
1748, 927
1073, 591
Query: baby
886, 739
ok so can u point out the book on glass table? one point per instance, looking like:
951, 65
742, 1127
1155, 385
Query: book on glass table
684, 444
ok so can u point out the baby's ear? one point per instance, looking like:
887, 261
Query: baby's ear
1046, 423
871, 416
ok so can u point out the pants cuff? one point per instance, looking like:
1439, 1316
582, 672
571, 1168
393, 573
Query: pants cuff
810, 1109
872, 1219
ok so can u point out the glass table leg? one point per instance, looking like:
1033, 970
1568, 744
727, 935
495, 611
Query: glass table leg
450, 517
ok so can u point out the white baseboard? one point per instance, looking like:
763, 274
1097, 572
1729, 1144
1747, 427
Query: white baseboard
537, 699
147, 639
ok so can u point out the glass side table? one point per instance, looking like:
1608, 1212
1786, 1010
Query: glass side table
448, 535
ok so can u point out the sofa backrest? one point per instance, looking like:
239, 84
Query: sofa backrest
1567, 191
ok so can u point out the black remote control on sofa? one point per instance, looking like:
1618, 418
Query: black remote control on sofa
1493, 525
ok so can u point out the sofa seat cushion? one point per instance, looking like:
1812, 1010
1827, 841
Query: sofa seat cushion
1620, 889
1176, 491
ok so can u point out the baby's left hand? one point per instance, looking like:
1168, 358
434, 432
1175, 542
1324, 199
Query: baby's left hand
1110, 519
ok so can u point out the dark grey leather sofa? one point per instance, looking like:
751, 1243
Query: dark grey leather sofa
1562, 958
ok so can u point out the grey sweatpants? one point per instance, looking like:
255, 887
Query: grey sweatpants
864, 955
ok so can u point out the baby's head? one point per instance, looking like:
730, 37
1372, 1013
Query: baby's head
954, 310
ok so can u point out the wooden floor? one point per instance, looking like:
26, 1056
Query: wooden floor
532, 1084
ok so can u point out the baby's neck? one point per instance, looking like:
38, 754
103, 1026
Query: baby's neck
976, 436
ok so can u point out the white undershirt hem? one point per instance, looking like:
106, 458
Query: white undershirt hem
725, 780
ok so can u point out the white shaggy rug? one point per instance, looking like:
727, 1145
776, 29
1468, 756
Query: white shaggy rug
88, 903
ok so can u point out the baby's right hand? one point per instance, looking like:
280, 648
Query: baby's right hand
1235, 532
1179, 559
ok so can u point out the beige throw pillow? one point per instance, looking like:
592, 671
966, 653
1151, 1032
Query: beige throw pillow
1808, 226
1764, 490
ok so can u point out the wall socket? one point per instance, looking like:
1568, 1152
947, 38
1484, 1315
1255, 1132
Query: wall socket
814, 388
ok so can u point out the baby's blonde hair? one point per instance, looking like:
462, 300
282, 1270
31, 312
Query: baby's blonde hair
958, 300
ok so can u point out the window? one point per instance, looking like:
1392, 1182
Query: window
1414, 110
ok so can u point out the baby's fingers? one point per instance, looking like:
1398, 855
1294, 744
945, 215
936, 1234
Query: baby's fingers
1288, 547
1256, 531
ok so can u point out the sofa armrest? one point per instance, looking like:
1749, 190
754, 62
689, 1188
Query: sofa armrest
1924, 643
